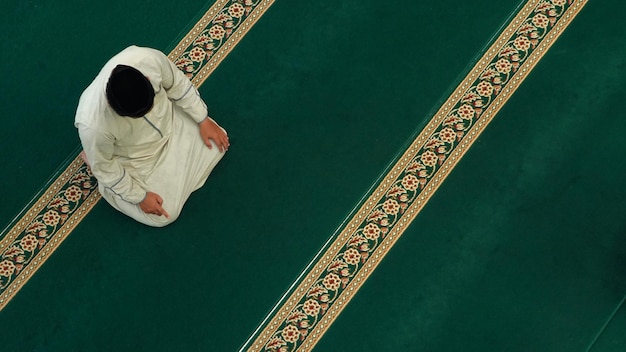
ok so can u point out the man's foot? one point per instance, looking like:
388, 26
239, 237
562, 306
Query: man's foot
84, 157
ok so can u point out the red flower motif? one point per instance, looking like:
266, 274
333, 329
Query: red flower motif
73, 194
429, 158
484, 88
371, 231
7, 268
217, 32
447, 135
197, 54
290, 333
522, 43
540, 20
51, 218
503, 66
391, 206
236, 10
311, 307
29, 243
331, 282
352, 256
410, 182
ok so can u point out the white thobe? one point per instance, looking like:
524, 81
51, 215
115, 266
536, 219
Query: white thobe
161, 152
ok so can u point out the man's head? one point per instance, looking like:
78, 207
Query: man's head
129, 92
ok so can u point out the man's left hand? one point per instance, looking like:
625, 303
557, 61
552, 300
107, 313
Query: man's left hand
209, 130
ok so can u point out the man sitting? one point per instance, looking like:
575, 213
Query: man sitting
147, 135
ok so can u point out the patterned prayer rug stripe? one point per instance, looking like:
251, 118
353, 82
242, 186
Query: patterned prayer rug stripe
44, 226
215, 35
337, 274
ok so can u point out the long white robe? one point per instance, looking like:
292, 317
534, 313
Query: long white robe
161, 152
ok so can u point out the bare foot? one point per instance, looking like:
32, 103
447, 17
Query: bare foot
84, 157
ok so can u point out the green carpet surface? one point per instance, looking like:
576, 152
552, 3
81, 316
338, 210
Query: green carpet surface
52, 51
522, 248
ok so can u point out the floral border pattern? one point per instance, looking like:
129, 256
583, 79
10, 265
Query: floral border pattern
213, 37
44, 227
74, 193
328, 287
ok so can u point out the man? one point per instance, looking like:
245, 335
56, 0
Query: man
147, 135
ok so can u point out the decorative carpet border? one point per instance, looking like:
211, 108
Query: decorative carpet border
338, 273
33, 238
221, 28
44, 226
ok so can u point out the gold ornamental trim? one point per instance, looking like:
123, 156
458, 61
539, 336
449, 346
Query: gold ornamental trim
44, 226
56, 213
218, 32
338, 273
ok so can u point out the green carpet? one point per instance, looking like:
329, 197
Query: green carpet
52, 52
522, 248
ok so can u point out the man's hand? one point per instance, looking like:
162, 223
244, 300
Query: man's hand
152, 205
209, 130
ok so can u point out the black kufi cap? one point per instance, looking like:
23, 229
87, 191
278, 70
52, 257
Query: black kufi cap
129, 92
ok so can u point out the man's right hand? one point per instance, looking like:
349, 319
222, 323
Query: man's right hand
152, 204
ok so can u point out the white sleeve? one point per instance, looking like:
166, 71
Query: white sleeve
181, 91
107, 169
